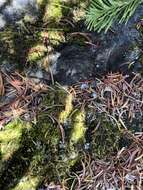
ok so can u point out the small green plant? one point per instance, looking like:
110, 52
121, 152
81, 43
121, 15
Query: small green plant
102, 13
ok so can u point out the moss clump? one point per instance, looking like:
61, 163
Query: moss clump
68, 108
27, 182
36, 53
37, 151
105, 139
55, 101
79, 11
33, 151
14, 45
79, 128
53, 11
10, 138
55, 36
7, 48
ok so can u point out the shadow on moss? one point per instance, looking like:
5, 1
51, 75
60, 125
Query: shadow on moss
36, 151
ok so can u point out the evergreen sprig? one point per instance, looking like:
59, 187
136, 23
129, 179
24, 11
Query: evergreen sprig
102, 13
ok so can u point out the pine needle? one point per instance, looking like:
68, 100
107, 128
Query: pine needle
103, 13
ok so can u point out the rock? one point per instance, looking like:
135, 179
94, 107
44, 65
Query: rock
12, 11
117, 51
75, 63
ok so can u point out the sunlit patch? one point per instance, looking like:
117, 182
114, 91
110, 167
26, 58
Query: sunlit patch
53, 10
79, 127
68, 108
27, 182
10, 138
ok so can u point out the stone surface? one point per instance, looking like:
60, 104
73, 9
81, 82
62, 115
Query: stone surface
13, 10
116, 51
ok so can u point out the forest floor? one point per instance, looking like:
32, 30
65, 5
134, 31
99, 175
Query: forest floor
69, 118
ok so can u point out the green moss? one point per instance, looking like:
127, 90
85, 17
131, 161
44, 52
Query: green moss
10, 138
6, 44
35, 152
15, 45
27, 182
79, 128
55, 35
68, 108
36, 53
79, 14
53, 11
66, 157
105, 139
55, 101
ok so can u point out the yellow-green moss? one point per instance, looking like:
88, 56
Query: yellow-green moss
27, 182
10, 138
53, 11
104, 140
68, 108
36, 53
79, 128
54, 35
